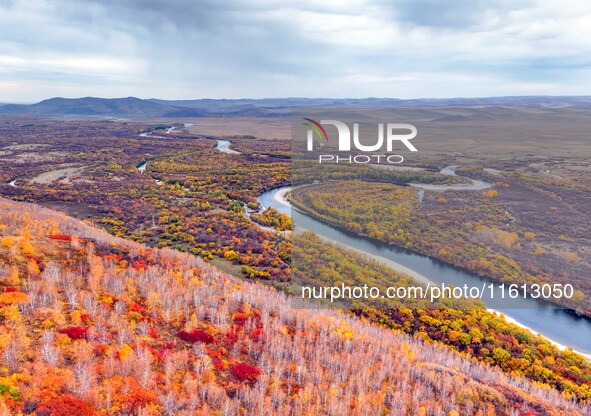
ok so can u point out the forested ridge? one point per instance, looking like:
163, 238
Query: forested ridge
93, 324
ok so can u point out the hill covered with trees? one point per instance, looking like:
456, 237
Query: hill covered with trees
94, 324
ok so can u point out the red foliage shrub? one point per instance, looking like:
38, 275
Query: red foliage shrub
101, 350
163, 352
196, 335
61, 237
75, 332
153, 333
232, 335
139, 265
114, 258
216, 353
245, 372
86, 318
256, 334
10, 289
35, 259
219, 365
65, 405
138, 399
135, 307
131, 398
240, 318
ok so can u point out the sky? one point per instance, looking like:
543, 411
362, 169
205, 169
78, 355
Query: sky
187, 49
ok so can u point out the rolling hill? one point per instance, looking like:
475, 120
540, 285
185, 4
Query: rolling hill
269, 107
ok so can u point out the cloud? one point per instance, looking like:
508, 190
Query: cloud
257, 48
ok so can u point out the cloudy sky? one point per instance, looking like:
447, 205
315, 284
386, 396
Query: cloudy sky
306, 48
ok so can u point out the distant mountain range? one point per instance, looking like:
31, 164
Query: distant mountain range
268, 107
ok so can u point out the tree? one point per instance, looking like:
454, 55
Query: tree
441, 200
7, 241
500, 354
492, 193
49, 352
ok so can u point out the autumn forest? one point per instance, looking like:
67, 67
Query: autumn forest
140, 275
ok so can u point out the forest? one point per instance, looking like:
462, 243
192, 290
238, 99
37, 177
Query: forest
463, 325
188, 196
160, 196
191, 197
476, 232
94, 324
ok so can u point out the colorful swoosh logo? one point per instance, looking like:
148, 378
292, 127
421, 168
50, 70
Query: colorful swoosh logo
317, 127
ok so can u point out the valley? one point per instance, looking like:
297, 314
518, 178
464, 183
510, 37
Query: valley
193, 192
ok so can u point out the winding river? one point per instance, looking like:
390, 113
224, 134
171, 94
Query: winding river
558, 325
224, 146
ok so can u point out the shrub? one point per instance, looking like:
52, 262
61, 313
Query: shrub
61, 237
196, 335
75, 332
65, 405
245, 372
240, 318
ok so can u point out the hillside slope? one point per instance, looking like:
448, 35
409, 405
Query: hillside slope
91, 323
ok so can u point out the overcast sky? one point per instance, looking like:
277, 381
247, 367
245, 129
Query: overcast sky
178, 49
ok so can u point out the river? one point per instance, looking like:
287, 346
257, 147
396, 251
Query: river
554, 323
141, 168
224, 146
559, 325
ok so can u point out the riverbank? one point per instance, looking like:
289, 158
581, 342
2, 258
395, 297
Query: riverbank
224, 146
559, 327
281, 196
558, 345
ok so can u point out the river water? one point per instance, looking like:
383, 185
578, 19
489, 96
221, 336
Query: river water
224, 146
554, 323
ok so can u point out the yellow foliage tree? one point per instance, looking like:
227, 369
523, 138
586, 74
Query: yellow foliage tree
8, 241
13, 298
124, 352
492, 193
76, 317
27, 248
33, 268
